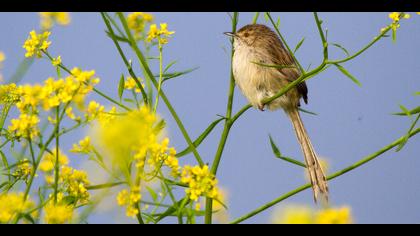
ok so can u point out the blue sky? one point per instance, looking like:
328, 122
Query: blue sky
352, 121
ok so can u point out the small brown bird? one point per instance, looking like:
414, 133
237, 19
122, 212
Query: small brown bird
255, 45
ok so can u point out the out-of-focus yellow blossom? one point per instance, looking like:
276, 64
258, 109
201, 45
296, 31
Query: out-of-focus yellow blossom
161, 34
9, 93
26, 126
48, 19
130, 199
334, 216
12, 204
200, 182
48, 161
306, 215
137, 21
131, 84
23, 170
84, 146
56, 61
59, 213
106, 117
136, 132
93, 110
221, 214
418, 13
2, 57
70, 114
74, 183
36, 43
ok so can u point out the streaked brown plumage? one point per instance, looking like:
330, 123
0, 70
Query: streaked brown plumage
257, 43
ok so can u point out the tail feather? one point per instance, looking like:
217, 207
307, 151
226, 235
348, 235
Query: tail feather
316, 174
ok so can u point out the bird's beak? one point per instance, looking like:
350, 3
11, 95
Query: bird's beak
230, 34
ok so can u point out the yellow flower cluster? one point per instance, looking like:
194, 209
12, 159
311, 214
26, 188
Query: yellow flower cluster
83, 147
200, 182
56, 61
55, 92
160, 154
23, 170
137, 21
48, 162
74, 183
13, 204
130, 199
8, 93
131, 84
161, 34
59, 213
305, 215
396, 17
36, 43
25, 126
48, 19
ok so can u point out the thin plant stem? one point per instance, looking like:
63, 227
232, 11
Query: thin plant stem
57, 154
160, 78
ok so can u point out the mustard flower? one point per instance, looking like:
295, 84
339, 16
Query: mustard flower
306, 215
9, 93
200, 182
74, 183
130, 199
26, 126
84, 146
56, 61
59, 213
137, 21
23, 170
36, 43
12, 204
48, 160
161, 34
334, 216
48, 19
131, 84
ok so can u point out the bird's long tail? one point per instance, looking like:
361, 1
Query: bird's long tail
316, 174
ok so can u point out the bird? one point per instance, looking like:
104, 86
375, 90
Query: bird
256, 49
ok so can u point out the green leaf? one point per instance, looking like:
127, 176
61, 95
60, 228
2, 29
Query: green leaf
277, 153
117, 37
266, 17
307, 112
394, 34
405, 110
5, 163
169, 65
121, 86
201, 138
407, 136
160, 126
176, 74
278, 22
153, 194
346, 73
103, 186
129, 100
28, 218
255, 19
274, 66
299, 45
170, 210
342, 48
408, 113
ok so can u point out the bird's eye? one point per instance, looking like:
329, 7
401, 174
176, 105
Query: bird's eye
246, 35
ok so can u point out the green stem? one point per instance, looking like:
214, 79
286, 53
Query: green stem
226, 129
330, 177
57, 161
160, 78
126, 62
322, 36
149, 74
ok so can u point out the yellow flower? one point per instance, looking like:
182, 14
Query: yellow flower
48, 19
334, 216
26, 126
93, 110
74, 183
136, 21
2, 57
418, 13
395, 16
58, 214
36, 43
13, 204
23, 170
56, 61
130, 199
200, 182
9, 93
306, 215
83, 147
131, 84
48, 160
161, 34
